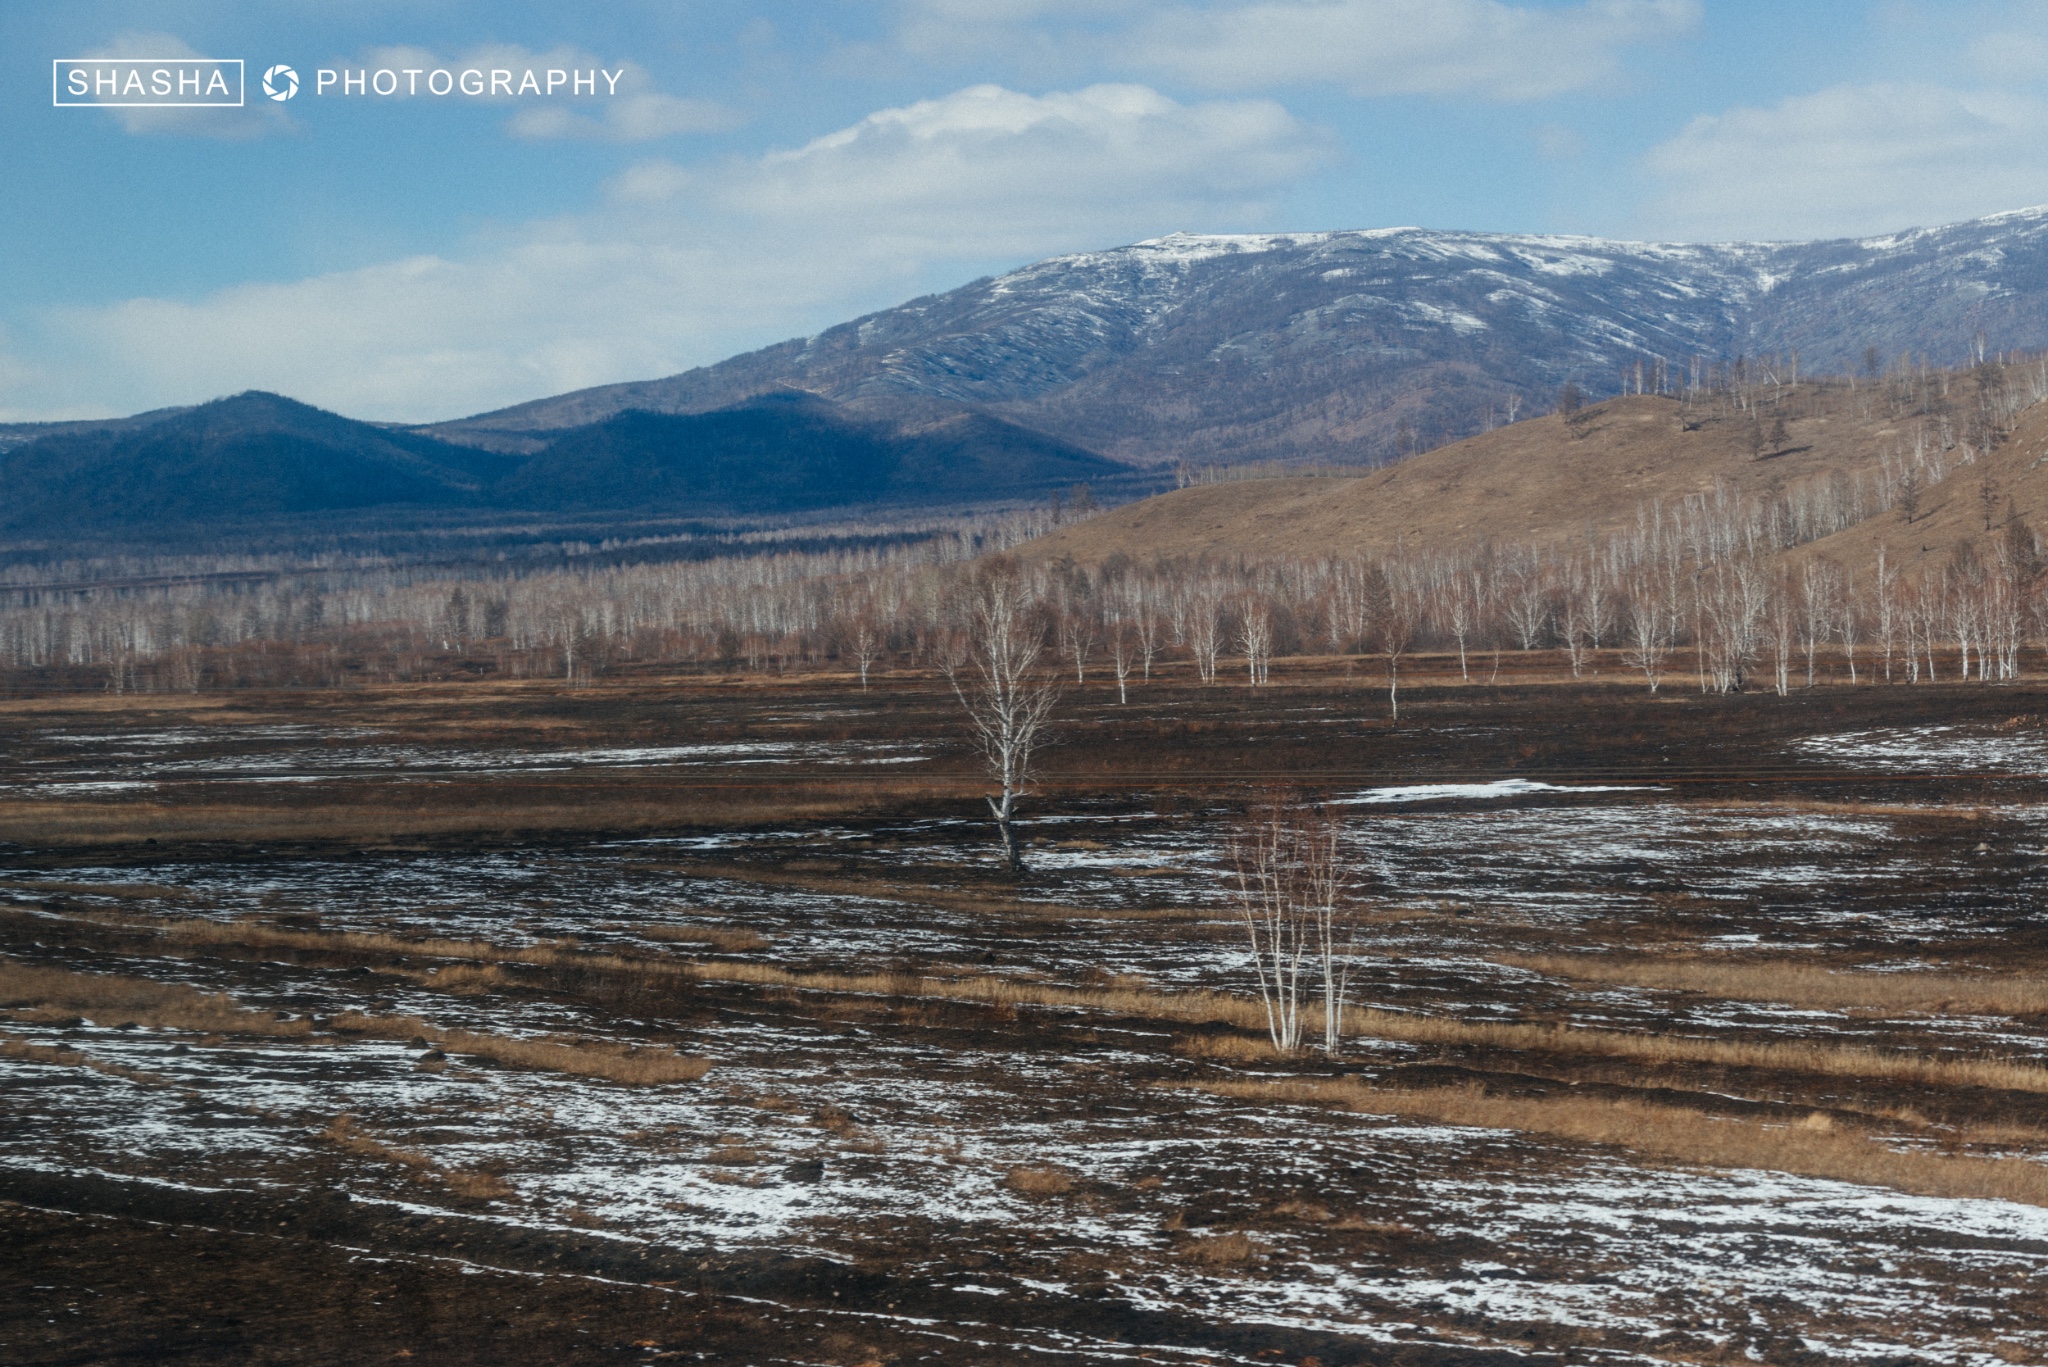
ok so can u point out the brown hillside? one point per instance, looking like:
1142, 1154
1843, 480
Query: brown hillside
1537, 481
1953, 511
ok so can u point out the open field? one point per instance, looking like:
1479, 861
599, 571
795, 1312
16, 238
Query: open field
695, 1019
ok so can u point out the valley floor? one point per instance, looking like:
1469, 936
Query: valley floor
688, 1020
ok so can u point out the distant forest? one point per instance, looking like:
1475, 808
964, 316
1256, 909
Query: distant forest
1697, 591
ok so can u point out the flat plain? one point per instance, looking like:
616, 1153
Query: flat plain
688, 1018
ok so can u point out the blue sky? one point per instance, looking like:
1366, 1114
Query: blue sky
765, 170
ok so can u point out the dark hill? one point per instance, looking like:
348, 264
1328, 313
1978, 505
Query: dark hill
261, 457
788, 452
251, 456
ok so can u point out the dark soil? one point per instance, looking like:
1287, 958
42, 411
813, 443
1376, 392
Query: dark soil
835, 1190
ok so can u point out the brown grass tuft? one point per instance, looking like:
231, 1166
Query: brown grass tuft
1230, 1048
111, 999
1681, 1135
72, 1058
609, 1062
1223, 1250
1809, 985
480, 1186
345, 1134
837, 1121
726, 939
467, 980
1206, 1008
1039, 1180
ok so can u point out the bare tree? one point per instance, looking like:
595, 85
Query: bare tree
1460, 613
1887, 609
1077, 639
1007, 706
1326, 895
1571, 624
1147, 625
1527, 606
1819, 585
1849, 628
865, 643
1255, 639
1294, 902
1124, 651
1780, 637
1205, 632
1649, 641
1395, 625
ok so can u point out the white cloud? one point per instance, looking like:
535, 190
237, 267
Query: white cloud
2011, 55
681, 266
1000, 173
640, 117
1851, 160
1410, 47
1368, 47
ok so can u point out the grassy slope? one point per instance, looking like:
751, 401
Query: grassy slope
1953, 510
1536, 481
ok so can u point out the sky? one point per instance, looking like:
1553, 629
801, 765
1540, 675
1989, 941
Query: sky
749, 172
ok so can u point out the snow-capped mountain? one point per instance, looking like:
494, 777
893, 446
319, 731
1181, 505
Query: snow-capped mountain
1346, 345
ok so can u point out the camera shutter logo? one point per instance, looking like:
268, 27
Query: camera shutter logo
280, 83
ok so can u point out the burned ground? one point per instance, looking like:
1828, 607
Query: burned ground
362, 1026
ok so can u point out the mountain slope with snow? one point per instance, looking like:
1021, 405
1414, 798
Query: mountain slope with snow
1346, 346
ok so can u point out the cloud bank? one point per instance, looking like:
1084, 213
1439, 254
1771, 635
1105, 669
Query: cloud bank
1851, 160
682, 265
1479, 48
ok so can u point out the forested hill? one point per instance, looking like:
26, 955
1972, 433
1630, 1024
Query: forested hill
261, 456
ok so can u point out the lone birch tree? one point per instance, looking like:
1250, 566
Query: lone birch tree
1007, 705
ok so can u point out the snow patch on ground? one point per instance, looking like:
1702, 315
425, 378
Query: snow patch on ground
1505, 787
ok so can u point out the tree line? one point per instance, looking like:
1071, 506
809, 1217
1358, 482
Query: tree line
1713, 587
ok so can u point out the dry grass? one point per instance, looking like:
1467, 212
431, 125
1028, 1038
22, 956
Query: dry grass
345, 1134
110, 999
1231, 1048
1247, 1015
582, 1058
608, 1062
479, 1186
1533, 481
71, 1058
1680, 1134
725, 939
1223, 1250
1798, 984
1205, 1008
835, 1120
466, 980
1039, 1180
474, 809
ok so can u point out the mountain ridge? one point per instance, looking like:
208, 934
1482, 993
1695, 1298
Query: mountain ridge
1355, 346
